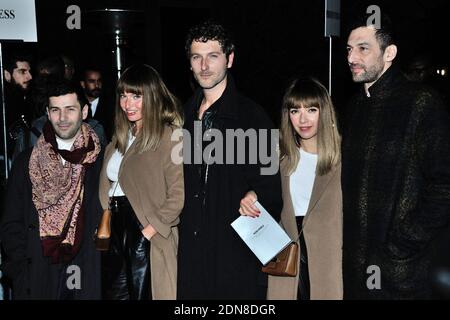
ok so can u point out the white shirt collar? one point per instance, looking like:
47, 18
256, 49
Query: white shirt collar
94, 105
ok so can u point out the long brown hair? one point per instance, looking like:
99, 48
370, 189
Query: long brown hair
159, 108
307, 93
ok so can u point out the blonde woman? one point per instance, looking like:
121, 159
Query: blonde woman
312, 198
144, 189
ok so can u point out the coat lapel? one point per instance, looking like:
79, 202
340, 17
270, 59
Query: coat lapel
110, 150
88, 184
131, 150
105, 184
320, 185
288, 212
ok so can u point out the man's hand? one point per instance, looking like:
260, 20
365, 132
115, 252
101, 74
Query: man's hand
247, 205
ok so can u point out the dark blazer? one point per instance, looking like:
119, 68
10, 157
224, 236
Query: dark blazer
33, 275
105, 115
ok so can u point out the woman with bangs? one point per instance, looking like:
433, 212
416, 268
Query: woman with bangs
310, 169
144, 189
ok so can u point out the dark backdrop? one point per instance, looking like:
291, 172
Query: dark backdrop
275, 39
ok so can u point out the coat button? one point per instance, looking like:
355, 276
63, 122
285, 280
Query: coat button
31, 227
196, 233
196, 195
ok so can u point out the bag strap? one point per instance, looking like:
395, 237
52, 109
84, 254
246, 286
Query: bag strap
115, 188
114, 192
300, 231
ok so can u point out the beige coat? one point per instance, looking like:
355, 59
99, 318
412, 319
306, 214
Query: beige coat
154, 185
323, 237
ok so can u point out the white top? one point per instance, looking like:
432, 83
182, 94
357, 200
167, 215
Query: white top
94, 104
64, 145
112, 170
302, 181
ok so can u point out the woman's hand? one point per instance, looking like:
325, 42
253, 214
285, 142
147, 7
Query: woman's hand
247, 205
149, 232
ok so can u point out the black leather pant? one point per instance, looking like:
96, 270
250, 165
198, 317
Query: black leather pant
126, 265
303, 281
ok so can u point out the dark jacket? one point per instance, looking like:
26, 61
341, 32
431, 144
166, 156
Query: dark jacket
19, 113
213, 261
32, 274
396, 187
105, 115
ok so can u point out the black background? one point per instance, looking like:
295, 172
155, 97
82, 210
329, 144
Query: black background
275, 39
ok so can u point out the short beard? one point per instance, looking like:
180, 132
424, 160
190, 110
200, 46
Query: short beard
370, 75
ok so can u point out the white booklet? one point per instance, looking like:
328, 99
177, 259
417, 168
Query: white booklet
263, 235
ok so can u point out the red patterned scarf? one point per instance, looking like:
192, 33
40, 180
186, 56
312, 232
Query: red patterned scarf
58, 190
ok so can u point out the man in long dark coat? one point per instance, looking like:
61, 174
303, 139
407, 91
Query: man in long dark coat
213, 262
395, 174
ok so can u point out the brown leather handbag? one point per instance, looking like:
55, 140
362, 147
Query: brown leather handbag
285, 263
103, 236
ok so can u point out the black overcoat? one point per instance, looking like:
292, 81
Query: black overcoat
213, 262
33, 275
396, 188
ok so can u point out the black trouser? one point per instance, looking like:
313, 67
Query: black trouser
303, 281
126, 265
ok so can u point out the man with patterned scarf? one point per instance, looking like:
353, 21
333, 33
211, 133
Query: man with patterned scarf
52, 206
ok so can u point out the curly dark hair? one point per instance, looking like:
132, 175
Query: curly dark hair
210, 30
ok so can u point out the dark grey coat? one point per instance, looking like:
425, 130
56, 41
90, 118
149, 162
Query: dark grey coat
396, 187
